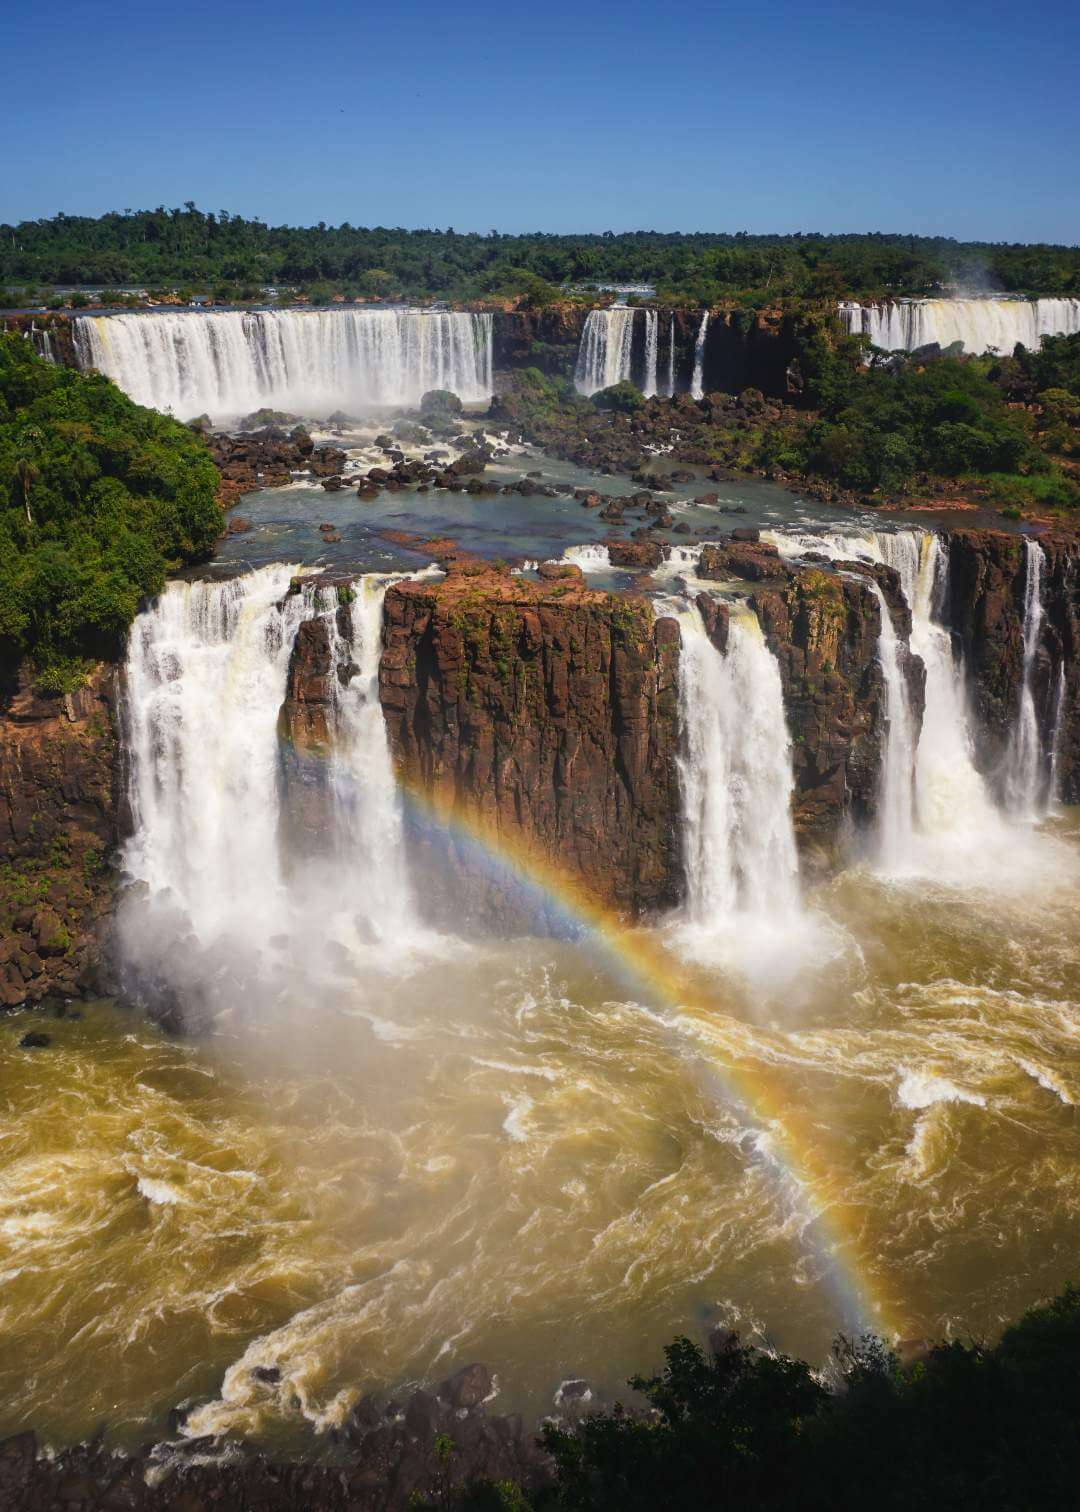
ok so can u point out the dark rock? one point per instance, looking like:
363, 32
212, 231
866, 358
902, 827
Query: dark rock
468, 1387
35, 1040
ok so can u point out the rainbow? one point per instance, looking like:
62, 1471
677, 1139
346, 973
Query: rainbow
640, 958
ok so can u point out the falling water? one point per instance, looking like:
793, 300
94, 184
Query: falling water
1060, 696
896, 805
670, 389
952, 803
226, 363
367, 819
981, 324
736, 776
604, 356
651, 323
1025, 763
224, 894
697, 386
205, 677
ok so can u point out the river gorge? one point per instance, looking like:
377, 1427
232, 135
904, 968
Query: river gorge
525, 947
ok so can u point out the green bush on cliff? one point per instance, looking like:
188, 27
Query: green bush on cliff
99, 500
964, 1426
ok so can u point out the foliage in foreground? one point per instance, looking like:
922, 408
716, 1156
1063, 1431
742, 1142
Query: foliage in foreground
966, 1426
99, 500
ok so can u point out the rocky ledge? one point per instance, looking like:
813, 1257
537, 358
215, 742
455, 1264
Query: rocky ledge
390, 1455
59, 823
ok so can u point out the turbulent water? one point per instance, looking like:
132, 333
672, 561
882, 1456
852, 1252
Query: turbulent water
402, 1152
606, 350
224, 363
981, 324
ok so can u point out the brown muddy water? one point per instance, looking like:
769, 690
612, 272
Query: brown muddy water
523, 1153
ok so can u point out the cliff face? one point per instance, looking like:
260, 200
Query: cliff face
59, 820
824, 631
547, 713
985, 610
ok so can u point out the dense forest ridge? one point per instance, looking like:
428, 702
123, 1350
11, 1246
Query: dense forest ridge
234, 258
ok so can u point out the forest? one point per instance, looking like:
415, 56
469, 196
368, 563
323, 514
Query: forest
236, 258
99, 500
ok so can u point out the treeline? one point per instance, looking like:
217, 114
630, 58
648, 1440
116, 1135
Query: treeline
194, 249
964, 1426
99, 500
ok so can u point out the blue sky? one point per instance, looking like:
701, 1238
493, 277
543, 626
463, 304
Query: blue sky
950, 118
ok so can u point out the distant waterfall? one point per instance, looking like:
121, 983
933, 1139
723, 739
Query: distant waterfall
1024, 775
651, 324
227, 363
670, 387
606, 350
736, 776
896, 798
981, 324
697, 385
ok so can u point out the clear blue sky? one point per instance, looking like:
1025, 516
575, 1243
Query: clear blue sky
950, 117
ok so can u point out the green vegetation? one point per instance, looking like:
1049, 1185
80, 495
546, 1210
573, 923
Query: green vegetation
964, 1426
99, 500
236, 258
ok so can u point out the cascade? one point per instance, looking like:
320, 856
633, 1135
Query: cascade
226, 363
697, 385
206, 677
981, 324
604, 356
736, 775
896, 818
952, 802
1024, 762
368, 834
670, 389
1060, 695
651, 323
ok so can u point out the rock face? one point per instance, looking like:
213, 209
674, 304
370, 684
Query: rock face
547, 714
59, 820
824, 630
985, 609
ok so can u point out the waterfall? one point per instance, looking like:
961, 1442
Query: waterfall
1060, 695
896, 817
225, 907
224, 363
1024, 763
651, 323
952, 802
604, 356
736, 776
697, 386
671, 361
368, 833
205, 677
981, 324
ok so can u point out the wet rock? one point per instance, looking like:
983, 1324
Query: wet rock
468, 1387
35, 1040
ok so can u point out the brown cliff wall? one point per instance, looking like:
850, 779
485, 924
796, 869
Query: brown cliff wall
59, 822
824, 631
985, 610
547, 713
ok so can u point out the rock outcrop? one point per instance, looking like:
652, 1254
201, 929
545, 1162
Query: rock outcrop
544, 716
985, 609
59, 821
824, 631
